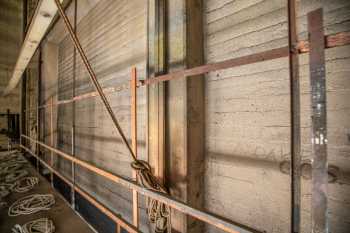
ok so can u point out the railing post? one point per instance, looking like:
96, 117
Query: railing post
133, 90
51, 137
295, 117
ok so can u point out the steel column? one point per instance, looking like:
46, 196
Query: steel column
319, 122
295, 117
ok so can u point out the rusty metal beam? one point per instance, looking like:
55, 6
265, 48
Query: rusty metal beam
332, 41
295, 118
217, 221
319, 123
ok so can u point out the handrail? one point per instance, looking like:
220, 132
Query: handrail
120, 221
204, 216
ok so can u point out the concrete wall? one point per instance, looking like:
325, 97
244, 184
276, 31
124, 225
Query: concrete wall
247, 129
10, 41
113, 35
248, 114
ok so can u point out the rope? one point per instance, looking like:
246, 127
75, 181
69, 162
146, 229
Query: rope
31, 204
12, 156
15, 175
25, 184
158, 212
7, 168
41, 225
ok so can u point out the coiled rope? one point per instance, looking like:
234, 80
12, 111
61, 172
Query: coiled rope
41, 225
14, 157
15, 175
25, 184
6, 168
31, 204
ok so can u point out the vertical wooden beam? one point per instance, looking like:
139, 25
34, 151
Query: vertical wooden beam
156, 93
319, 122
133, 89
295, 117
185, 111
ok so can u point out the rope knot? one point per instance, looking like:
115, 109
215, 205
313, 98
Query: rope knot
158, 213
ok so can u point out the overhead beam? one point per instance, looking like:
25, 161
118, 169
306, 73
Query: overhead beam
42, 18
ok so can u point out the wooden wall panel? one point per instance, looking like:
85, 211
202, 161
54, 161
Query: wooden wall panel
248, 114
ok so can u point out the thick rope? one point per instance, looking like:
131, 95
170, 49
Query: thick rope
41, 225
158, 212
15, 175
31, 204
25, 184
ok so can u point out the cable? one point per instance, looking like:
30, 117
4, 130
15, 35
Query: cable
41, 225
25, 184
31, 204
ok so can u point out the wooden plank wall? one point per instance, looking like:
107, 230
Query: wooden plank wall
248, 114
113, 35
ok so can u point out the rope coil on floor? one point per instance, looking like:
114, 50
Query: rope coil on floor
13, 157
25, 184
41, 225
6, 168
15, 175
31, 204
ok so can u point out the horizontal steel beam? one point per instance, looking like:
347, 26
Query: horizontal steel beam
204, 216
332, 41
